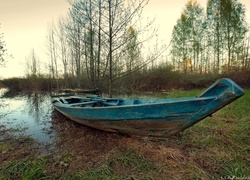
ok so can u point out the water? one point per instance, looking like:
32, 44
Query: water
27, 114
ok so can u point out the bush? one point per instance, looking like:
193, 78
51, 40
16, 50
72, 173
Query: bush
161, 78
240, 76
28, 84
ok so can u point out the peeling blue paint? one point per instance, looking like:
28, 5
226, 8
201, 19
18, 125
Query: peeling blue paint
148, 117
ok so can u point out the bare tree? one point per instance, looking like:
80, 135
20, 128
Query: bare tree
93, 41
52, 47
2, 48
32, 64
64, 50
106, 23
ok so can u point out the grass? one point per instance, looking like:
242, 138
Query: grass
133, 165
227, 135
215, 148
129, 164
24, 169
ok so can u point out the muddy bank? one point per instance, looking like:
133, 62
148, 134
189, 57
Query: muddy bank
77, 148
79, 152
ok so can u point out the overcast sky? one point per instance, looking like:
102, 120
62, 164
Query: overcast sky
25, 23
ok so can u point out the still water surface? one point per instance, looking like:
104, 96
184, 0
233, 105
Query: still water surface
27, 114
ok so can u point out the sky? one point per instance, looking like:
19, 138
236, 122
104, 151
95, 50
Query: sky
25, 24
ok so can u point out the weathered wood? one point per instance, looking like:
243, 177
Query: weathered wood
90, 91
148, 117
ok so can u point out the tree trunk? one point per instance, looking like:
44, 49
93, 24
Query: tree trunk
110, 52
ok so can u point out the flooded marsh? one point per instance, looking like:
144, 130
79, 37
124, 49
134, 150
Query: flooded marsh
27, 114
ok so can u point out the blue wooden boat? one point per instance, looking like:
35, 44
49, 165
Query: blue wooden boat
147, 117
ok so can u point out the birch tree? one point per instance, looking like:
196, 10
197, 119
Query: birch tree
205, 43
226, 19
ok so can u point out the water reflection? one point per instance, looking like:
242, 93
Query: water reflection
27, 114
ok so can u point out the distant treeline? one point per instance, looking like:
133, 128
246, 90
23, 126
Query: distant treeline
155, 80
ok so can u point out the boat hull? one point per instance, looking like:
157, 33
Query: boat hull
162, 118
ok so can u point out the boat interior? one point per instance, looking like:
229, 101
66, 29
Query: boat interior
77, 101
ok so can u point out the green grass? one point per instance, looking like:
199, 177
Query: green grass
96, 174
24, 169
134, 160
134, 164
226, 134
129, 164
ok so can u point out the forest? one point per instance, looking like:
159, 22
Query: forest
108, 45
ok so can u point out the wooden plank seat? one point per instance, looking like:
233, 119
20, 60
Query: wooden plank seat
83, 103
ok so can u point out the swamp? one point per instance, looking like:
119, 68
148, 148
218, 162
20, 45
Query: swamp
37, 142
113, 47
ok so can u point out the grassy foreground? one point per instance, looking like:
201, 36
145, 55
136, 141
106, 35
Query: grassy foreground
215, 148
